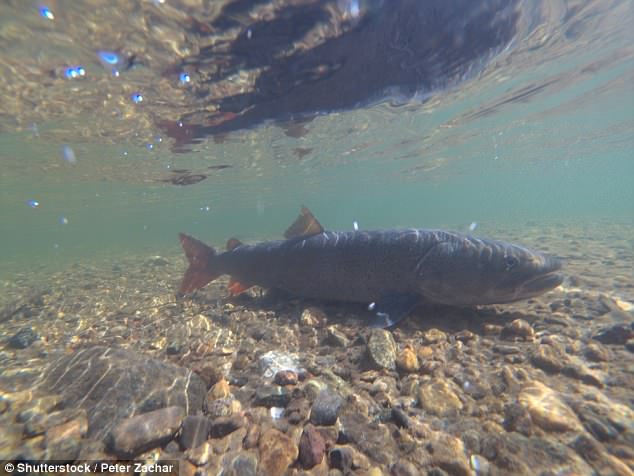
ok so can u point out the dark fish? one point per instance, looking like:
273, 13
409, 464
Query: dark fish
391, 270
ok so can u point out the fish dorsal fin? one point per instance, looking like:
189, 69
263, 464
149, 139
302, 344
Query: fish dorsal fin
233, 243
304, 225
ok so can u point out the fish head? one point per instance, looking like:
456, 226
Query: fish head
470, 271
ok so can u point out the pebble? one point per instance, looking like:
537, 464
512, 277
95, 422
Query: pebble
517, 418
518, 329
286, 377
223, 407
326, 408
547, 410
277, 452
547, 358
433, 336
313, 317
195, 430
273, 361
200, 455
407, 361
148, 430
336, 338
222, 426
244, 464
23, 338
272, 396
312, 447
341, 458
39, 424
448, 453
581, 372
75, 428
597, 352
381, 349
219, 390
618, 334
439, 397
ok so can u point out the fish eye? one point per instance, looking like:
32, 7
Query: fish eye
511, 262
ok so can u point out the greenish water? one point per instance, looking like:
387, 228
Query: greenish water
467, 154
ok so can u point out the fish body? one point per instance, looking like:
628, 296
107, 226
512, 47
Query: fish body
396, 269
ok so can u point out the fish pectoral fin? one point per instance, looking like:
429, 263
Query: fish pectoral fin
236, 287
304, 225
392, 307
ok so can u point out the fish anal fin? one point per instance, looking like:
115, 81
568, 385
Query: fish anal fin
233, 243
236, 287
304, 225
391, 308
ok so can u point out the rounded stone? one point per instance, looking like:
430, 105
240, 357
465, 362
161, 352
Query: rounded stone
146, 431
407, 360
326, 407
439, 397
547, 410
381, 349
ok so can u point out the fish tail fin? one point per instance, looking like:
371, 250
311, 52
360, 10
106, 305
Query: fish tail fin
200, 271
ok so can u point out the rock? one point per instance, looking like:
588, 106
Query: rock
195, 430
581, 372
244, 464
326, 407
335, 337
23, 338
547, 410
381, 349
433, 336
72, 429
312, 447
447, 452
547, 358
286, 377
223, 407
518, 329
277, 453
272, 362
400, 418
140, 433
313, 317
439, 397
222, 426
629, 345
252, 436
407, 361
597, 352
369, 437
404, 468
517, 418
200, 455
618, 334
341, 458
219, 390
39, 423
272, 396
112, 384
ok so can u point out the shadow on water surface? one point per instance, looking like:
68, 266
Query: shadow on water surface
398, 48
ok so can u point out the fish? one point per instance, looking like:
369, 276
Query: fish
392, 271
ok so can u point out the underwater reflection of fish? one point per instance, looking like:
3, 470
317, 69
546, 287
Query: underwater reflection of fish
397, 48
394, 269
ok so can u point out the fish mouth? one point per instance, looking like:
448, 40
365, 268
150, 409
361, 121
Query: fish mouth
550, 278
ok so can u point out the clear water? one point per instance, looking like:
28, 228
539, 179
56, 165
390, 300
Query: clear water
525, 134
461, 155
